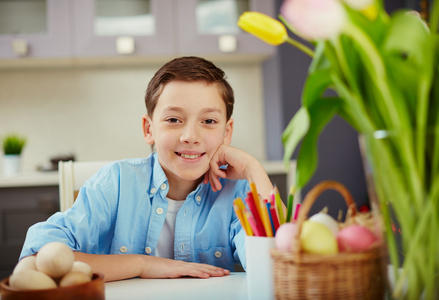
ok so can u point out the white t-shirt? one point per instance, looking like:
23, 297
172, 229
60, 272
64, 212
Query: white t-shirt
165, 245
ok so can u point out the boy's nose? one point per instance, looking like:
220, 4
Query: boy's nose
189, 135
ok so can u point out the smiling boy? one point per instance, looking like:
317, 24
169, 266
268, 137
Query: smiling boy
171, 214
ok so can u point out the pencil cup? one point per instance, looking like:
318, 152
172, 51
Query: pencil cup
260, 280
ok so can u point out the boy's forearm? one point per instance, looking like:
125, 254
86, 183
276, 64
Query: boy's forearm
123, 266
259, 176
113, 266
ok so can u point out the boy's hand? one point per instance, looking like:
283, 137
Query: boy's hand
240, 165
168, 268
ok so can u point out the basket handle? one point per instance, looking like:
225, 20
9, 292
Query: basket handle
309, 201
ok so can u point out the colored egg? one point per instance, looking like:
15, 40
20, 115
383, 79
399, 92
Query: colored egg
326, 220
284, 236
317, 238
355, 238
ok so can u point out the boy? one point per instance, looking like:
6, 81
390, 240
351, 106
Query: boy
171, 214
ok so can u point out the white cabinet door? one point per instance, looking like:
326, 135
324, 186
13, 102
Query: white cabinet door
39, 28
208, 27
122, 27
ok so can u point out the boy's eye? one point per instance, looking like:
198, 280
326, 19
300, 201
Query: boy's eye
173, 120
209, 121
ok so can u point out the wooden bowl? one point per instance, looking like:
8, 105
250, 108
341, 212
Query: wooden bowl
94, 289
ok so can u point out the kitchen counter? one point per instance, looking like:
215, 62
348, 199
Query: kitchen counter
27, 179
50, 178
233, 286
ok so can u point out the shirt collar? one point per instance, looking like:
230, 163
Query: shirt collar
159, 180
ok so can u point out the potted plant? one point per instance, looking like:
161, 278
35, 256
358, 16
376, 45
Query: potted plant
13, 145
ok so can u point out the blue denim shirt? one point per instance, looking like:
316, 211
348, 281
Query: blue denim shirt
122, 208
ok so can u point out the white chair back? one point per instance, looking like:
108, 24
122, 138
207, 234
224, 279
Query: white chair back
72, 176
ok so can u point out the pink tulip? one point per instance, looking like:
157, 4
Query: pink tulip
315, 19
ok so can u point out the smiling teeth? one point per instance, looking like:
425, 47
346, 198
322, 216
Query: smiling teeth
190, 156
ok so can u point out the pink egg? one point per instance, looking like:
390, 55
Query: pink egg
355, 238
284, 236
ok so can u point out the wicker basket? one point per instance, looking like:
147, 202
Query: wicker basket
299, 275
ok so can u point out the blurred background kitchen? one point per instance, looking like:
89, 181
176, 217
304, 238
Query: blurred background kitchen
73, 74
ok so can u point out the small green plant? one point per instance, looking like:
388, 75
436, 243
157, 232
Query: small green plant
13, 144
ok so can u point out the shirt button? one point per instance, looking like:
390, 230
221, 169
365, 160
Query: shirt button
123, 249
198, 198
163, 186
159, 211
218, 254
152, 190
148, 250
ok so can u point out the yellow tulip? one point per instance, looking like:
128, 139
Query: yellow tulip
264, 27
371, 12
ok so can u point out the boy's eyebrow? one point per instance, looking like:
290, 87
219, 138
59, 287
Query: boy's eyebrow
173, 108
211, 110
205, 110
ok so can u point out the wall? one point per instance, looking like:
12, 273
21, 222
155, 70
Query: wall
95, 113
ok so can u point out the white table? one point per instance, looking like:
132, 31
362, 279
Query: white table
233, 286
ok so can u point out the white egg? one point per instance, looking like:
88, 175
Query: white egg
55, 259
327, 221
31, 280
27, 263
79, 266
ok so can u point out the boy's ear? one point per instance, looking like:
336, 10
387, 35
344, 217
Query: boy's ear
228, 133
147, 130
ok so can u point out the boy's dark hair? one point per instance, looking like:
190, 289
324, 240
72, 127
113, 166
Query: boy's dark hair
189, 69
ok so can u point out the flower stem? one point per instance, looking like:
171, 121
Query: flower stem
300, 46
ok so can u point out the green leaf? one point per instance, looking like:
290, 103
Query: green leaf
408, 36
13, 144
319, 61
294, 133
315, 85
321, 112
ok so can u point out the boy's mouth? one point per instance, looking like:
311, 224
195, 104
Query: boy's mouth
189, 156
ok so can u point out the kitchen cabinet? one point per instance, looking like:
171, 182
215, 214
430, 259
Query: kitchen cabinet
77, 30
21, 207
165, 27
38, 28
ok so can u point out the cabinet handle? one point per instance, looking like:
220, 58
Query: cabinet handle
125, 45
227, 43
20, 47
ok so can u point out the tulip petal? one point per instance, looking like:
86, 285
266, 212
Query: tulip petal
315, 19
263, 27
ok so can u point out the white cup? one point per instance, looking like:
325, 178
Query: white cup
260, 278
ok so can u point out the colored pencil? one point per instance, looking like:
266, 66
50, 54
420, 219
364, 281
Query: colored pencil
240, 210
274, 217
254, 211
290, 203
296, 212
279, 206
253, 224
268, 205
262, 209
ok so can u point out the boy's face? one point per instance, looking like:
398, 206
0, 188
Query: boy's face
188, 126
